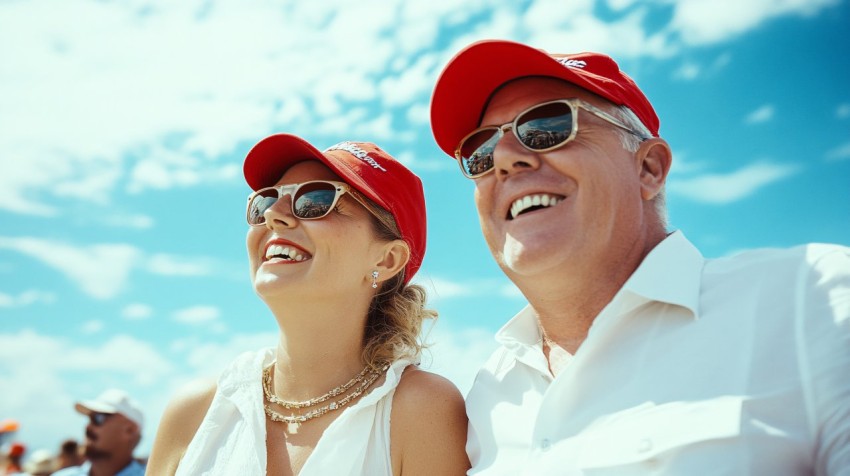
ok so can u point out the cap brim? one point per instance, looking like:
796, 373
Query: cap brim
87, 408
471, 77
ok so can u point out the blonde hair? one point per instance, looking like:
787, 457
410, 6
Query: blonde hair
396, 313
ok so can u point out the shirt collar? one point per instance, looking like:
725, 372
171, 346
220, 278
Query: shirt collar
670, 273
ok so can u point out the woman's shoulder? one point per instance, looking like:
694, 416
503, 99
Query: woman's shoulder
180, 422
418, 387
428, 404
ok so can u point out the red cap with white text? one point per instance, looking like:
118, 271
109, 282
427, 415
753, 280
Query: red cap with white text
364, 166
473, 75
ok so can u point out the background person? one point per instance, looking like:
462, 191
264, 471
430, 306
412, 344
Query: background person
635, 355
70, 454
114, 429
334, 238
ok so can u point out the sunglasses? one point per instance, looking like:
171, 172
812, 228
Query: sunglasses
309, 200
98, 419
540, 128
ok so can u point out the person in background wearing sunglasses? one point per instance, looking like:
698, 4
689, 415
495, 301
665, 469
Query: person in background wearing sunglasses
334, 239
635, 355
114, 429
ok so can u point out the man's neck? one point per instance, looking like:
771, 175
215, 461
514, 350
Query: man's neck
567, 302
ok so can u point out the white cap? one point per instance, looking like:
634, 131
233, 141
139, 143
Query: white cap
113, 401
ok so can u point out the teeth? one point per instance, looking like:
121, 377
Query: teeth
285, 252
529, 201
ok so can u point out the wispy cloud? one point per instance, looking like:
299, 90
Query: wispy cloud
701, 22
196, 315
25, 298
170, 265
136, 312
842, 111
840, 153
134, 114
721, 189
99, 270
687, 71
92, 327
102, 270
443, 288
762, 114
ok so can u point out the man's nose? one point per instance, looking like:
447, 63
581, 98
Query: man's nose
511, 157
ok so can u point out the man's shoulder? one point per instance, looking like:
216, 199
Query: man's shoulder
791, 259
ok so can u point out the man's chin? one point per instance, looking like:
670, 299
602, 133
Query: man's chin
94, 453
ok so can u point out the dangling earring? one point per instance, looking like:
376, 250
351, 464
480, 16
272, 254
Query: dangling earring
374, 279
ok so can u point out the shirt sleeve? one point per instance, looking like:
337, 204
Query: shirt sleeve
823, 338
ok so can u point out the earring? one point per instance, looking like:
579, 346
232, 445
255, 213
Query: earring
374, 279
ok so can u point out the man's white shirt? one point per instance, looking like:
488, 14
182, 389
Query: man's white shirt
738, 365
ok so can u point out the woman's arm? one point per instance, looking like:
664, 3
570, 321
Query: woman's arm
428, 426
178, 426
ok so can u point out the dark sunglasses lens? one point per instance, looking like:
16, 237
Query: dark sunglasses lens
545, 126
98, 419
259, 204
476, 151
314, 200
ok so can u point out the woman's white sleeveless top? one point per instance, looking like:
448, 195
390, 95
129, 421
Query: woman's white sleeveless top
232, 437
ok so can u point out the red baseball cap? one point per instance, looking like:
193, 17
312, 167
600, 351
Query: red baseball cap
473, 75
364, 166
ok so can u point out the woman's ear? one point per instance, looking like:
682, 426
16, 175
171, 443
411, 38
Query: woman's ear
654, 159
392, 259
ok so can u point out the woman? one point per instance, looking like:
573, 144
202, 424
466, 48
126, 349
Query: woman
333, 241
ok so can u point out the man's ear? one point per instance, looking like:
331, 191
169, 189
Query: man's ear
654, 159
392, 259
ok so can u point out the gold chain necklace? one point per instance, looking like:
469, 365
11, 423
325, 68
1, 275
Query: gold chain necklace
272, 398
317, 412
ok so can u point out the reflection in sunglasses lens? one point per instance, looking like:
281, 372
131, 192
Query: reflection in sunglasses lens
314, 203
259, 205
477, 151
545, 126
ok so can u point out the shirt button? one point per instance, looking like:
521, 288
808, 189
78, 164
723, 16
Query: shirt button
644, 445
544, 444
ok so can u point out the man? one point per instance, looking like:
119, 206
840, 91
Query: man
635, 355
114, 430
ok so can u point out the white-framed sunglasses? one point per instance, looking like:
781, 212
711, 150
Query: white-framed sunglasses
540, 128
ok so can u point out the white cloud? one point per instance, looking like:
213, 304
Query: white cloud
26, 298
128, 220
842, 152
721, 189
136, 312
762, 114
842, 111
197, 315
102, 270
169, 265
701, 22
92, 327
688, 71
168, 94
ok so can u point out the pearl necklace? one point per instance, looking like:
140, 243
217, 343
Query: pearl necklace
367, 381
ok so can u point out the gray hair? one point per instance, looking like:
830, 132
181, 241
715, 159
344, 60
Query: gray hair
632, 143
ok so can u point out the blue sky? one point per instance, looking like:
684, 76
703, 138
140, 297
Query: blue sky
123, 126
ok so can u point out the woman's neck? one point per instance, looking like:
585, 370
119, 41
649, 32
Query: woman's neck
320, 348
